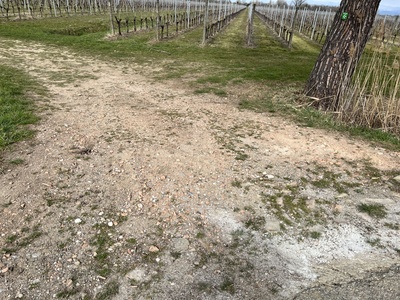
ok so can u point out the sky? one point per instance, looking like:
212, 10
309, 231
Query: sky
387, 7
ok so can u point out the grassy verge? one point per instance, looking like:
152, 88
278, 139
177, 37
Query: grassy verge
284, 101
16, 109
224, 60
266, 75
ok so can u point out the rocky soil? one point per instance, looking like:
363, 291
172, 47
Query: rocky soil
136, 189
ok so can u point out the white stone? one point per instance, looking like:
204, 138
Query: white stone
138, 275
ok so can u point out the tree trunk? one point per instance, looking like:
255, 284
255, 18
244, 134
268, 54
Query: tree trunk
341, 52
119, 25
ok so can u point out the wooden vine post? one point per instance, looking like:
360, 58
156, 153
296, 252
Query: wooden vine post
341, 52
297, 5
110, 4
158, 20
250, 19
205, 23
188, 14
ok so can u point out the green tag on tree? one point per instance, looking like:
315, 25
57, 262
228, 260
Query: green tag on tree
345, 16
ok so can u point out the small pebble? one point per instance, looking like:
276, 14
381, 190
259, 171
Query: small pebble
154, 249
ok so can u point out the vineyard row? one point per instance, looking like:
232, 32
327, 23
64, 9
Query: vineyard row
172, 24
315, 24
28, 9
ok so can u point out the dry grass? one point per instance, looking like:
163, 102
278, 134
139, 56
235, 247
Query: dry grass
372, 100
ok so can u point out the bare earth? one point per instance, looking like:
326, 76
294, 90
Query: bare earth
136, 189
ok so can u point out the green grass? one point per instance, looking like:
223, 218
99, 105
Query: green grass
16, 108
17, 161
268, 75
109, 290
224, 59
68, 293
377, 211
255, 222
102, 242
228, 285
315, 234
236, 183
14, 242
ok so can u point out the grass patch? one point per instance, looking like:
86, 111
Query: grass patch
290, 208
16, 242
204, 286
200, 235
102, 241
392, 226
313, 234
16, 107
374, 242
241, 240
236, 183
68, 293
131, 241
377, 211
17, 161
209, 90
110, 289
240, 155
371, 171
228, 285
255, 223
330, 179
278, 210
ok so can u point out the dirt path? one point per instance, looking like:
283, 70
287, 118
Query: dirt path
134, 189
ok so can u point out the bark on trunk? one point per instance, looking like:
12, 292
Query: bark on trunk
341, 52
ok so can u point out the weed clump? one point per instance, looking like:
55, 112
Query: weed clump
111, 289
377, 211
228, 286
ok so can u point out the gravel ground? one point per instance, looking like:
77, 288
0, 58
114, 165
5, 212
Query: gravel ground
136, 189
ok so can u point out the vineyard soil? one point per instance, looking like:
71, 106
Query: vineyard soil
139, 189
